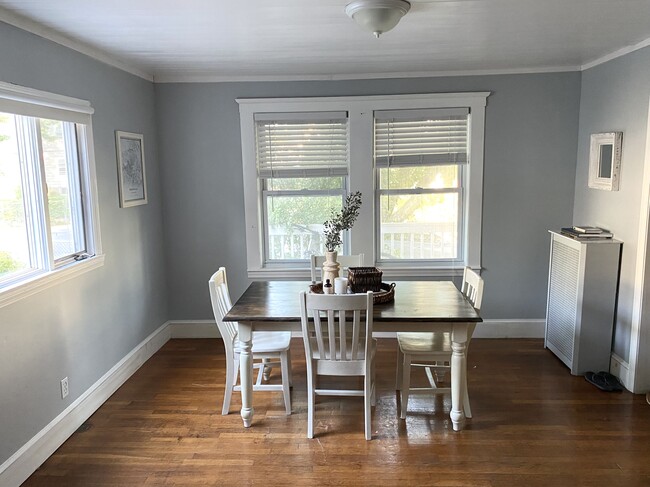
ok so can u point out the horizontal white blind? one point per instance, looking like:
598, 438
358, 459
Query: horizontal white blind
414, 137
293, 145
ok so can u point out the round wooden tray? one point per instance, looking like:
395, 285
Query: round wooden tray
386, 295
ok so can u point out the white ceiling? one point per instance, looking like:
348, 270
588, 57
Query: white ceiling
196, 40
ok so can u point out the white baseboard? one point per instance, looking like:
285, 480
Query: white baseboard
30, 456
510, 329
194, 329
487, 329
621, 369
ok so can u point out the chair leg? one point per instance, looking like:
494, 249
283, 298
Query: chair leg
310, 401
266, 369
284, 365
406, 384
232, 368
368, 392
289, 367
373, 382
400, 361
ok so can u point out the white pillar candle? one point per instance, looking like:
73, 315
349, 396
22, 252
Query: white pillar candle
341, 285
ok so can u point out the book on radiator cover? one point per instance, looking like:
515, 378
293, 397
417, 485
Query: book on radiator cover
586, 233
588, 229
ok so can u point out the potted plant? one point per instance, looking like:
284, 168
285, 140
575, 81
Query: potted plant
338, 222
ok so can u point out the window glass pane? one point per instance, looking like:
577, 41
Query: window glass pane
61, 174
296, 184
418, 177
14, 237
295, 225
422, 226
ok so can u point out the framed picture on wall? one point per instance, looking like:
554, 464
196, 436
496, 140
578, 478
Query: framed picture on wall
605, 160
130, 168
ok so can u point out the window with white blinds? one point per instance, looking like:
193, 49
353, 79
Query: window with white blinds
302, 167
412, 137
301, 144
419, 156
417, 160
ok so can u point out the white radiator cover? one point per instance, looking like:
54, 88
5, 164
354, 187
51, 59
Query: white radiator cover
581, 301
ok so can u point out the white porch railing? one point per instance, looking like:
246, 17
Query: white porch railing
398, 241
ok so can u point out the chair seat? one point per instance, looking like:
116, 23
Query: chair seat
424, 343
271, 341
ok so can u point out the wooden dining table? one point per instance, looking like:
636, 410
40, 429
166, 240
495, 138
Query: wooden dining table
418, 306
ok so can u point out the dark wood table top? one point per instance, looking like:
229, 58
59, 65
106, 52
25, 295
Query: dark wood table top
415, 301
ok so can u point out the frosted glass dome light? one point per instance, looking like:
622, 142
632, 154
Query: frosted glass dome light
377, 16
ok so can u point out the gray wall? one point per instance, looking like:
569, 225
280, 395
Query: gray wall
614, 97
530, 148
83, 327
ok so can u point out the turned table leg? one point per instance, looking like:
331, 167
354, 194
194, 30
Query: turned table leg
458, 371
246, 372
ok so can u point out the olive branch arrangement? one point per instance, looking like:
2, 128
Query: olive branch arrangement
341, 220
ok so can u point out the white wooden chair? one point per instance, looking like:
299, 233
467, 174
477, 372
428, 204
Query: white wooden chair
432, 351
338, 343
344, 261
272, 347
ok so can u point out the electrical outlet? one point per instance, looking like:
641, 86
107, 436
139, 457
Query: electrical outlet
64, 387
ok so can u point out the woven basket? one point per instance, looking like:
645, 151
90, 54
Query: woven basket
363, 279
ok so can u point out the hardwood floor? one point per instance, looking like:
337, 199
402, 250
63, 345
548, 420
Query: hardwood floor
534, 425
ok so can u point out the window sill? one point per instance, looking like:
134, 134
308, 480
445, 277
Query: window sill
394, 273
24, 289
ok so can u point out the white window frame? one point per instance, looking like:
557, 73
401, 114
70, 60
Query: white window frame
361, 176
35, 103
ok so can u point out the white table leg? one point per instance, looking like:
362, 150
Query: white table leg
458, 370
246, 372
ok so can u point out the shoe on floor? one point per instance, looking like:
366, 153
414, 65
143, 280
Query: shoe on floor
604, 381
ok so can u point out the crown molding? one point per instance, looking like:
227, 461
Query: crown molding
618, 53
209, 78
40, 30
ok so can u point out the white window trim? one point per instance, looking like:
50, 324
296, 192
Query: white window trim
361, 119
41, 103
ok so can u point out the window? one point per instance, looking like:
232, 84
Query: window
302, 162
48, 219
416, 159
420, 157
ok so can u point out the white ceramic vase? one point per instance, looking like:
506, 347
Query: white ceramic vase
330, 267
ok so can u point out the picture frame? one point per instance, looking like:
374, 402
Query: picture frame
132, 180
605, 160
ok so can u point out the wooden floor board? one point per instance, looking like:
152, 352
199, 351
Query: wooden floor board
534, 425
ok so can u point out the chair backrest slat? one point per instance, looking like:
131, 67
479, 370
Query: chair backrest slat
331, 333
342, 335
319, 335
355, 335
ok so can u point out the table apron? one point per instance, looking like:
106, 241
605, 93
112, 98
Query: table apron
378, 326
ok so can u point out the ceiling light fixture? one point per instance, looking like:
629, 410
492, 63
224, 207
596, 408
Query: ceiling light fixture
377, 16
